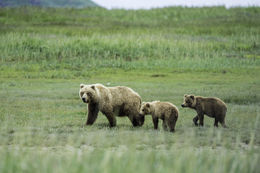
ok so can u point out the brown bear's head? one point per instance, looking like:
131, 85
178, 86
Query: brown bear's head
189, 101
145, 109
87, 93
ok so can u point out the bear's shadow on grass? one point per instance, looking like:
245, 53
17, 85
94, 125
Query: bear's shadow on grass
117, 127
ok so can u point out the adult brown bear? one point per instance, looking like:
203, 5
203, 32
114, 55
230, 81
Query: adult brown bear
111, 101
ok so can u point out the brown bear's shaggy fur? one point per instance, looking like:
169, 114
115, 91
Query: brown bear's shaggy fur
211, 106
111, 101
163, 110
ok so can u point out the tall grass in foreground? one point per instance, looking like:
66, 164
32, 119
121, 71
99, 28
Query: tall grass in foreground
63, 145
110, 161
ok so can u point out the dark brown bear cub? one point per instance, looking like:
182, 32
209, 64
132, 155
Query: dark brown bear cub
211, 106
161, 110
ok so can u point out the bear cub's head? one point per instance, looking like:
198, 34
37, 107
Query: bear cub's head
145, 109
87, 93
189, 101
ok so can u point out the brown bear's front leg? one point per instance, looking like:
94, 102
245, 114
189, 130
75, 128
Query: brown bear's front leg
195, 120
155, 123
92, 113
111, 118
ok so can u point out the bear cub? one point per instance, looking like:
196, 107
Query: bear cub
165, 111
211, 106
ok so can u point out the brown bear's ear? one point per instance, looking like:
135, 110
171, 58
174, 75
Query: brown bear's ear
81, 85
148, 105
185, 95
192, 97
93, 87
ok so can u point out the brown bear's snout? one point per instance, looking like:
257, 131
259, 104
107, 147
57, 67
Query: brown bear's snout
182, 105
84, 100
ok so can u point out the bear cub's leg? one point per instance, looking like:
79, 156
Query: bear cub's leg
222, 122
155, 122
195, 120
171, 122
216, 122
201, 119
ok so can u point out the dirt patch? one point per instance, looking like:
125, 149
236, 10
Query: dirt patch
158, 75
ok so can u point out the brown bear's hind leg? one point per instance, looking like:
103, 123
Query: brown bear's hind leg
134, 121
222, 122
221, 119
195, 120
172, 122
133, 117
141, 120
92, 113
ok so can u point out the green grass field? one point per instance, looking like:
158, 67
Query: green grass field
162, 54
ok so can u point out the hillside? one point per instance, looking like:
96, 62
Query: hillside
48, 3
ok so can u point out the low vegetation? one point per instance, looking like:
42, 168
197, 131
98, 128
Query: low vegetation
160, 53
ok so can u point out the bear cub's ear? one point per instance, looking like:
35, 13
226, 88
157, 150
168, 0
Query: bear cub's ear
192, 97
185, 95
148, 105
82, 85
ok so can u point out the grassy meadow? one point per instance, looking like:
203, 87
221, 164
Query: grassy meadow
45, 53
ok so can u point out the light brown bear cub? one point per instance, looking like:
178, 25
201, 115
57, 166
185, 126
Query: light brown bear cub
211, 106
165, 111
111, 101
